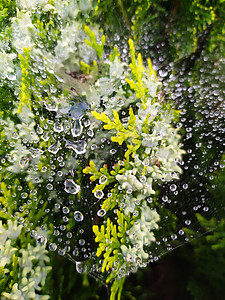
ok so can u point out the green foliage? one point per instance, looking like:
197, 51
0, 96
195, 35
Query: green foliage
178, 24
99, 47
138, 72
108, 235
122, 134
25, 94
7, 10
96, 175
116, 289
207, 279
110, 238
4, 280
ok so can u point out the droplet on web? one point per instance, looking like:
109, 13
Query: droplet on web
76, 130
71, 187
41, 240
78, 146
78, 216
103, 179
101, 212
98, 194
52, 247
55, 147
81, 267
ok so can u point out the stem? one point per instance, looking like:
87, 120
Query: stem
124, 13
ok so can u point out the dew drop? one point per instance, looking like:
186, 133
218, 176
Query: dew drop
90, 132
82, 242
11, 76
35, 152
71, 187
78, 216
49, 187
173, 236
113, 151
87, 123
57, 206
103, 179
65, 210
98, 194
78, 146
101, 212
33, 233
187, 222
165, 198
81, 267
142, 179
51, 106
39, 130
62, 252
55, 147
41, 240
173, 187
185, 186
77, 129
58, 127
163, 73
15, 135
52, 247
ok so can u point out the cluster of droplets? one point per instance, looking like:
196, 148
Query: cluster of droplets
69, 138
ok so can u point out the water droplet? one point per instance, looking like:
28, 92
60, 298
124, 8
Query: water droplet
58, 127
45, 136
62, 252
78, 216
103, 179
57, 206
113, 151
173, 236
82, 242
142, 179
77, 129
87, 123
39, 130
49, 187
81, 267
11, 76
33, 233
55, 147
65, 210
71, 187
15, 135
51, 106
35, 152
78, 146
165, 198
187, 222
101, 212
163, 73
41, 240
75, 252
98, 194
90, 132
24, 195
173, 187
185, 186
52, 247
69, 235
